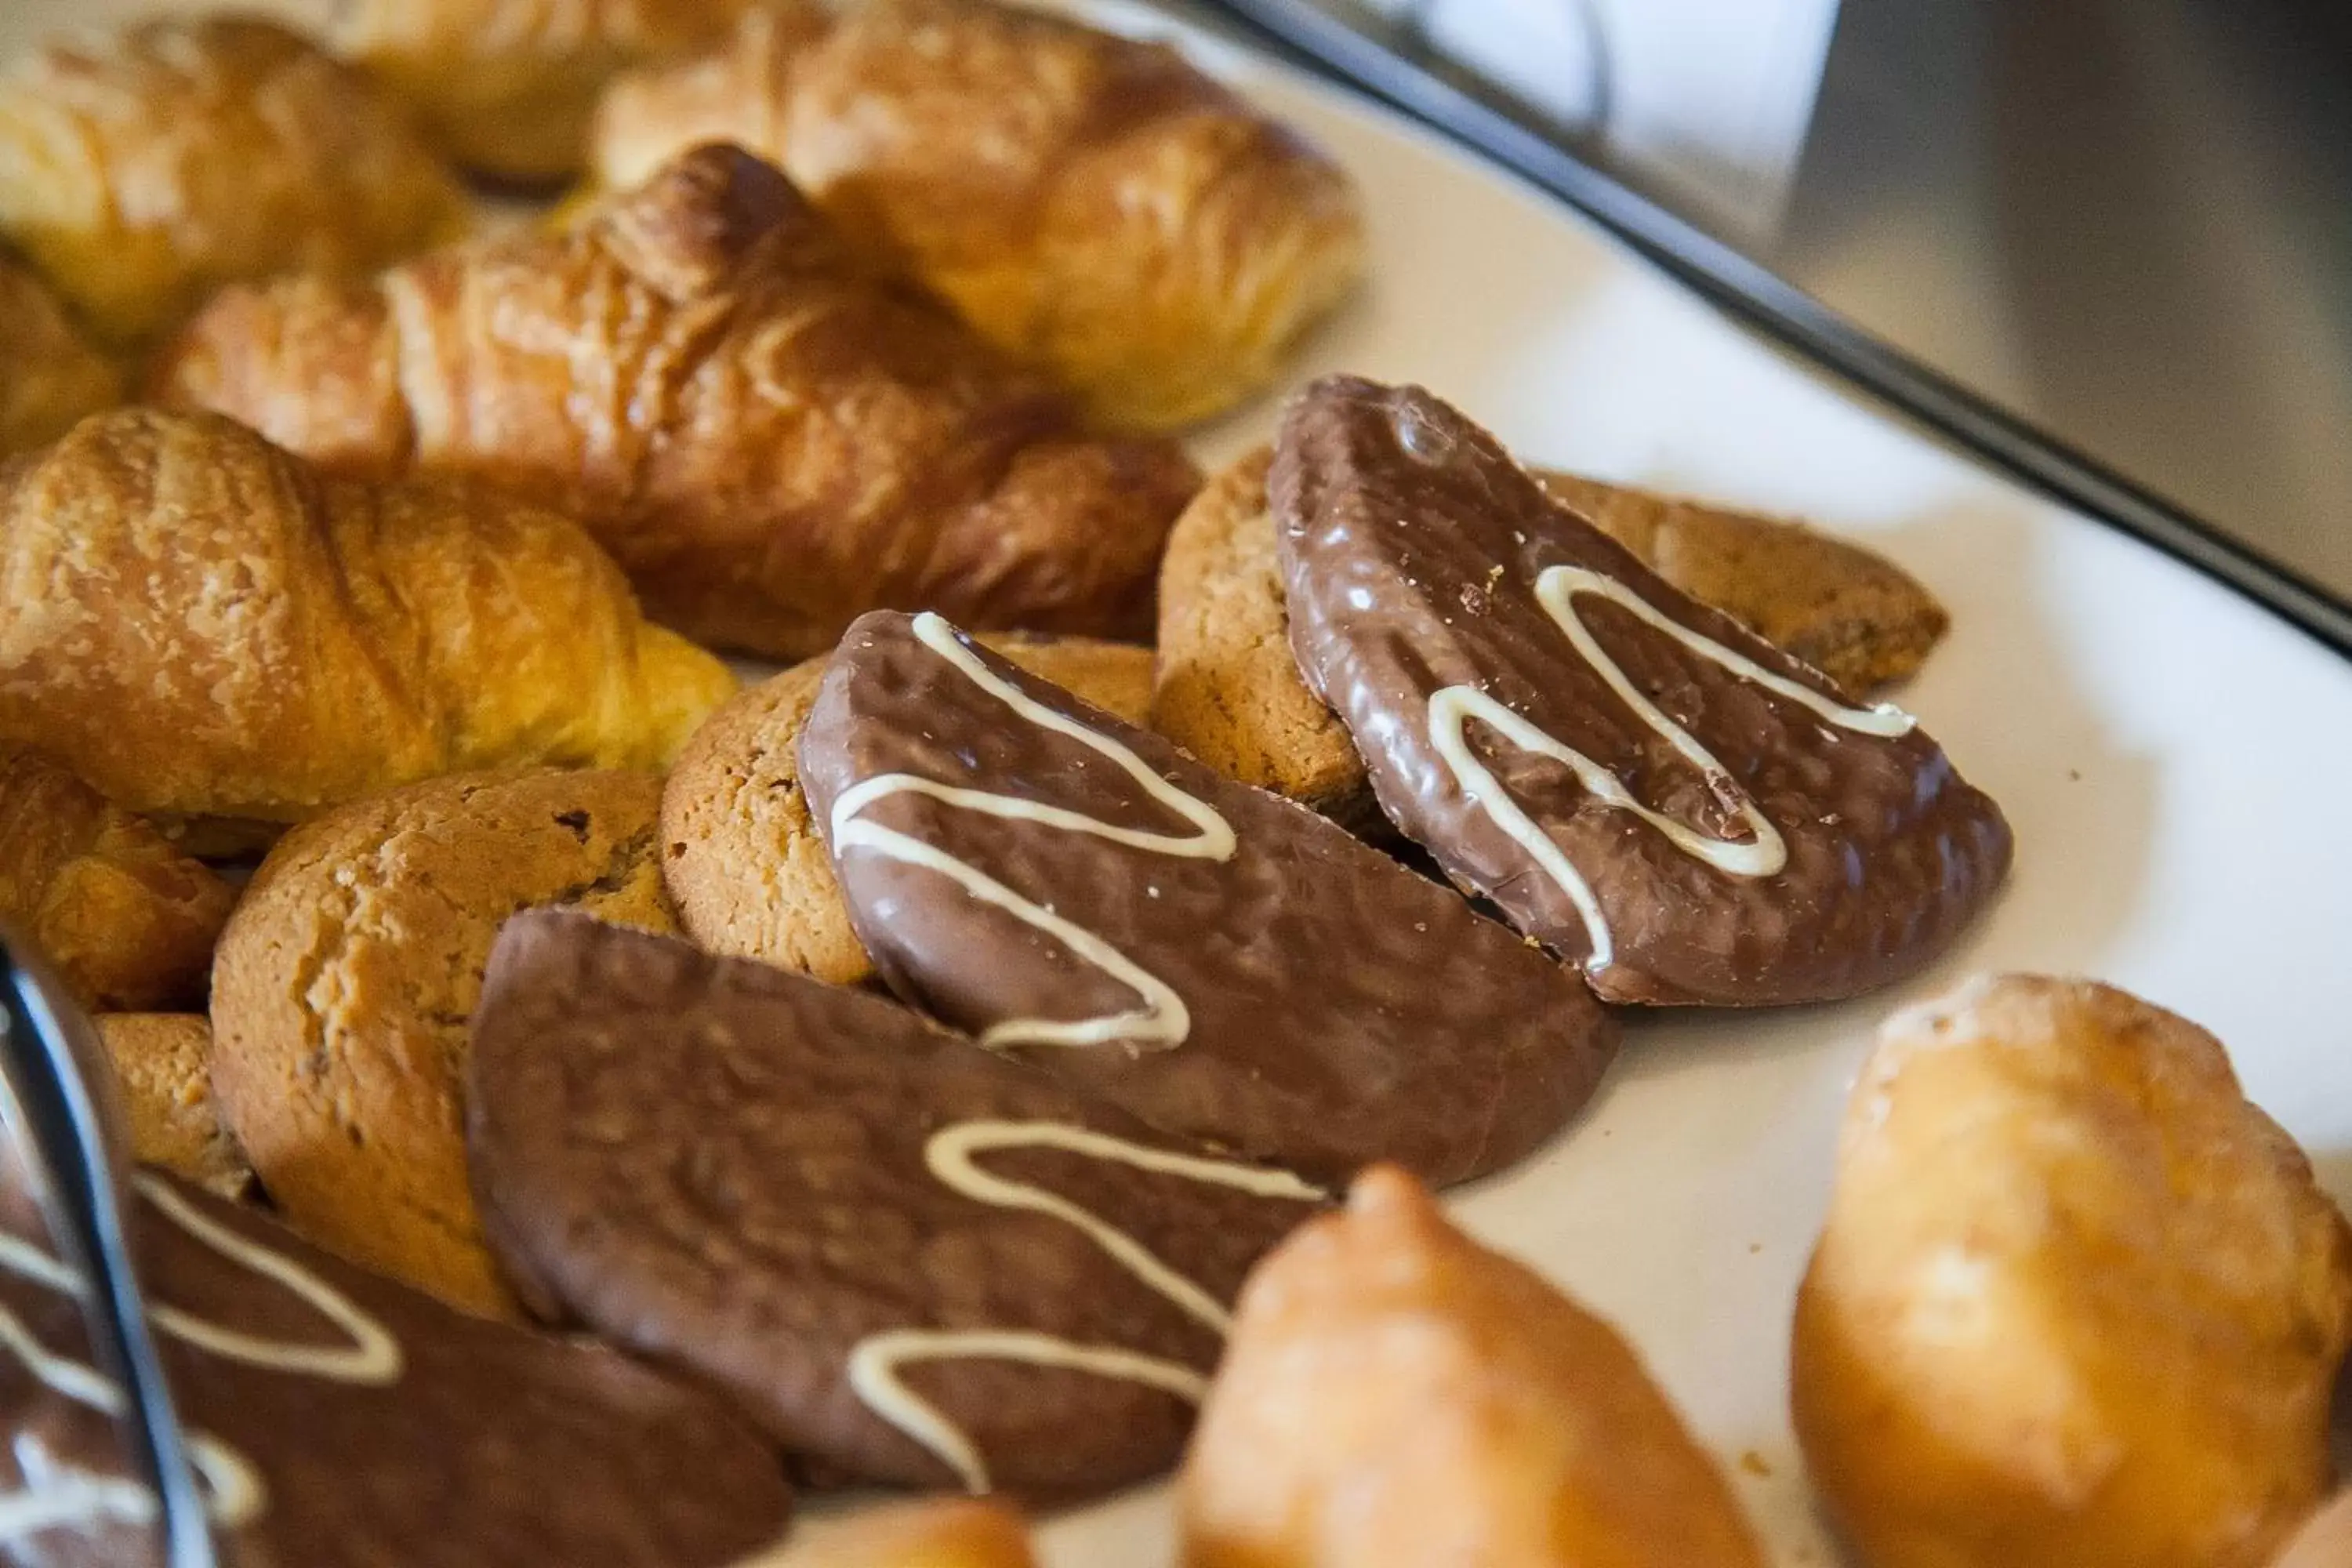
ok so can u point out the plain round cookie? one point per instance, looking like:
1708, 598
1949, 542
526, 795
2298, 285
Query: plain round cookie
1848, 612
345, 983
742, 861
1227, 688
163, 1062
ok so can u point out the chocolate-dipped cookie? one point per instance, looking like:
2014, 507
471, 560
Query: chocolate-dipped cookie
1226, 689
913, 1260
1635, 780
341, 1420
1221, 961
741, 859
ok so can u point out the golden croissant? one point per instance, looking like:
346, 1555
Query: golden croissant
198, 624
1092, 202
770, 435
139, 171
50, 375
127, 919
506, 87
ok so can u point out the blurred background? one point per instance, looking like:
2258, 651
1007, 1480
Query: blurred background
2129, 220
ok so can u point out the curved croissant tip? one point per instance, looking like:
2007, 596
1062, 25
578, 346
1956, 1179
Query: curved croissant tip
692, 223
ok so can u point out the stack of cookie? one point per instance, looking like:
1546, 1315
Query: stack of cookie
1190, 1008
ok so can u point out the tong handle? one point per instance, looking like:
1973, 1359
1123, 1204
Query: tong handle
58, 1102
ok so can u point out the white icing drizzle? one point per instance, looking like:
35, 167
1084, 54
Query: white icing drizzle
874, 1374
1162, 1021
235, 1494
1761, 855
949, 1154
873, 1360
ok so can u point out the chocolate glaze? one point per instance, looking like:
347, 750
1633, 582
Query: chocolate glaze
1411, 546
1342, 1009
723, 1165
479, 1444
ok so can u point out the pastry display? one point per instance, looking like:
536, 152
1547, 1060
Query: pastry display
125, 918
50, 373
910, 1258
1005, 1050
141, 169
338, 1420
1230, 691
768, 430
1091, 203
163, 1062
200, 625
2076, 1300
945, 1532
1639, 783
506, 87
344, 983
1396, 1394
743, 859
1219, 961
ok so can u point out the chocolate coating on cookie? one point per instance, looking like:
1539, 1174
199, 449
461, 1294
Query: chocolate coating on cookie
1635, 780
912, 1259
1221, 963
741, 859
341, 1420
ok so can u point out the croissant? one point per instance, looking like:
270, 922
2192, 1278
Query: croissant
198, 624
127, 920
140, 170
1089, 202
772, 435
506, 87
50, 375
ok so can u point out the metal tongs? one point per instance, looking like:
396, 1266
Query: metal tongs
58, 1103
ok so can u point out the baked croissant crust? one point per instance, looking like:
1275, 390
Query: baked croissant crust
50, 375
1092, 202
142, 170
197, 624
127, 920
506, 87
770, 434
